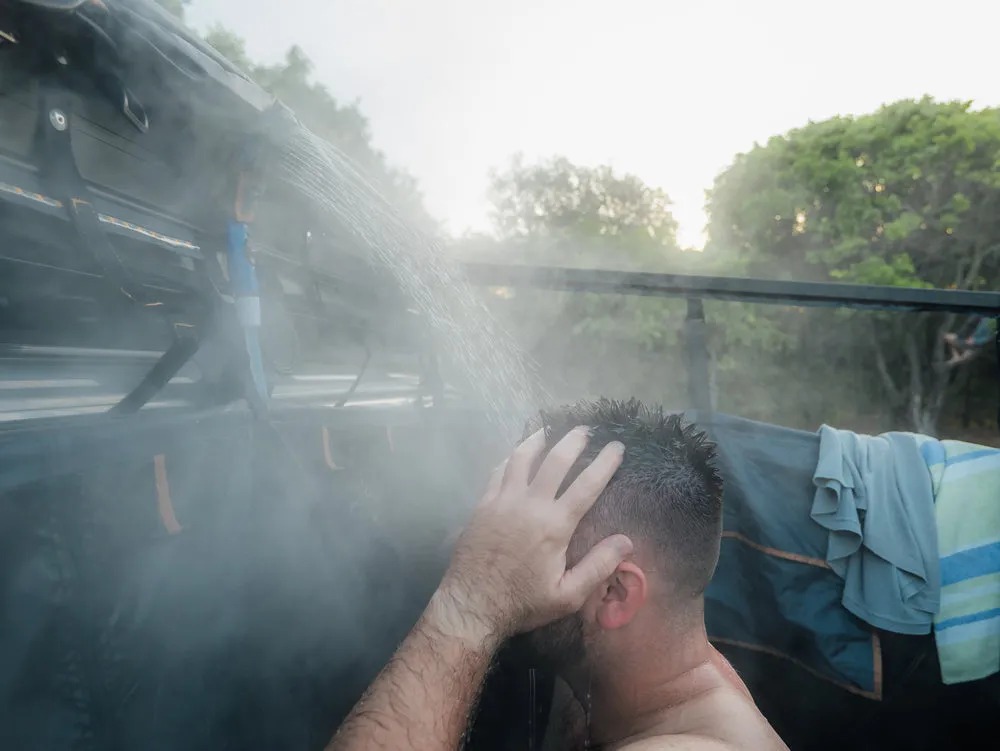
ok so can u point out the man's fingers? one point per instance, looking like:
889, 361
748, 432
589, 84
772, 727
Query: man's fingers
596, 566
582, 494
523, 459
558, 463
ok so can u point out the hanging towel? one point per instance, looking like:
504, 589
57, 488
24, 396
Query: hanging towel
874, 496
773, 592
966, 480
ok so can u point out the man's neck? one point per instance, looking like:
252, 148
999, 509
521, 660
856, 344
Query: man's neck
630, 701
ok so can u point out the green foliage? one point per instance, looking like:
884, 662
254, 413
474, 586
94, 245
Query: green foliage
561, 214
558, 200
175, 6
896, 271
344, 126
231, 47
906, 196
917, 179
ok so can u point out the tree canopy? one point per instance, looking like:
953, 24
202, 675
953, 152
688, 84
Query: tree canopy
343, 125
906, 196
555, 212
175, 6
589, 207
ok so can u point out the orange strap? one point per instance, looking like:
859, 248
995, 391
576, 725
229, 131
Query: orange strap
327, 455
163, 503
243, 209
774, 552
875, 694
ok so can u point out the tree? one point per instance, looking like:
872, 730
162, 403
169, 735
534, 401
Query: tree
907, 196
344, 126
175, 6
557, 213
592, 209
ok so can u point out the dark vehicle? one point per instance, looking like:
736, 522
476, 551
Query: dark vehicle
218, 416
229, 465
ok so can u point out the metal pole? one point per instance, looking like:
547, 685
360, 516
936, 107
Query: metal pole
696, 350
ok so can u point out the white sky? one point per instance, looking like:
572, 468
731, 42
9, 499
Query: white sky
669, 91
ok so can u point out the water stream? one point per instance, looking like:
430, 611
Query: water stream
487, 357
488, 360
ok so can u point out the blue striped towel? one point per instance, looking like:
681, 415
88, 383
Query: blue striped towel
966, 481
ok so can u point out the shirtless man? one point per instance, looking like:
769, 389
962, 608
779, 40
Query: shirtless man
599, 542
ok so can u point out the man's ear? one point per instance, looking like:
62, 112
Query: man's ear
621, 596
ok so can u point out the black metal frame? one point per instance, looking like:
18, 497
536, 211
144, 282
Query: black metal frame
735, 289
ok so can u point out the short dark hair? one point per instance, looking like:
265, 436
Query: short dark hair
667, 492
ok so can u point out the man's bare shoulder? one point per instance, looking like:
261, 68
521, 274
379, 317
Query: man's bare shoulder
696, 743
723, 720
677, 743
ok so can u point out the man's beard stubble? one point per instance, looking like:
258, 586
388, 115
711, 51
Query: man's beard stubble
559, 646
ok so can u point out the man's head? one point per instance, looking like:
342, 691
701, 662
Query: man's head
667, 497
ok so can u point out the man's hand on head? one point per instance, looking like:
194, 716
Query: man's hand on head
508, 575
509, 571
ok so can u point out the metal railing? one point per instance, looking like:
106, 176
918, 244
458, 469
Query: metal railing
696, 289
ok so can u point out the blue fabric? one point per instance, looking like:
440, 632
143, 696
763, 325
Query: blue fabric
966, 481
758, 599
875, 498
985, 331
243, 281
242, 274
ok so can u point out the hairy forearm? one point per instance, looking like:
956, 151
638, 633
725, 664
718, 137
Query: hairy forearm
424, 698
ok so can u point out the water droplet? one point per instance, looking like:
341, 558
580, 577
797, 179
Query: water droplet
532, 709
487, 356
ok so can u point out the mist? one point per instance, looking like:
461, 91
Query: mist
229, 562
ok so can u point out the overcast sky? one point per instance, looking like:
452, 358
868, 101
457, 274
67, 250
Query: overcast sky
669, 91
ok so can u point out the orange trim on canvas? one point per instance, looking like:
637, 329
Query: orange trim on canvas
327, 455
876, 693
818, 562
164, 505
244, 213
